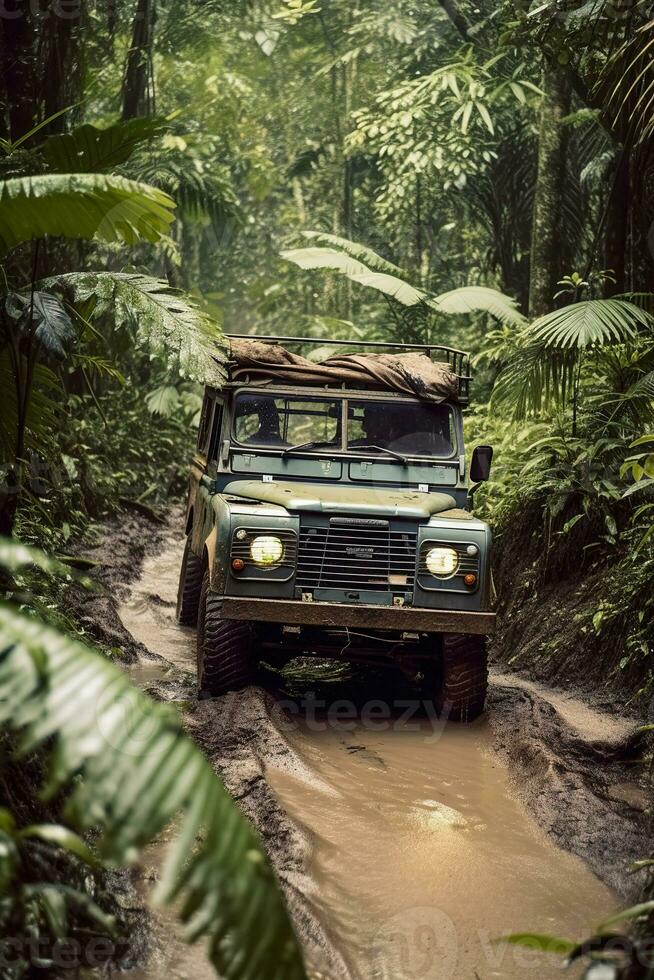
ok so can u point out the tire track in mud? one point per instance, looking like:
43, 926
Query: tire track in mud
568, 765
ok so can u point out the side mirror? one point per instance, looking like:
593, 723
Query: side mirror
480, 465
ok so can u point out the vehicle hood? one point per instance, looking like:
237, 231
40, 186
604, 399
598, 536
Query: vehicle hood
343, 499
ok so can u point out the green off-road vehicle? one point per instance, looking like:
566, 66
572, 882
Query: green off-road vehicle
329, 514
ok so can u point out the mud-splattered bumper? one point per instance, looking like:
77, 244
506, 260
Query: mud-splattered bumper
327, 614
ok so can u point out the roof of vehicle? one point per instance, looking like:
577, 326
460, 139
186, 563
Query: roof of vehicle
405, 368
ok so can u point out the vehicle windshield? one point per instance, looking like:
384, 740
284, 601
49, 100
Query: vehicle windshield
279, 421
407, 428
316, 424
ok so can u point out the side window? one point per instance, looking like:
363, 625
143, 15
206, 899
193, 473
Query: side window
214, 443
205, 423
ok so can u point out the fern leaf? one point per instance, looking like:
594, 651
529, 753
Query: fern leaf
128, 772
163, 319
81, 206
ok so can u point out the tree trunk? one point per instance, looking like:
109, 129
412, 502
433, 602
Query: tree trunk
617, 228
546, 229
136, 82
20, 84
61, 53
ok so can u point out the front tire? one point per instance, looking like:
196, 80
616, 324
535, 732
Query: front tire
190, 587
225, 660
463, 677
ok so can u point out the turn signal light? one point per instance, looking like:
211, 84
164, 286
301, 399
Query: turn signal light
470, 579
238, 564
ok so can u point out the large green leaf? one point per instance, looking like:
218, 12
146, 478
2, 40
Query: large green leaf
472, 299
128, 771
90, 149
163, 319
81, 206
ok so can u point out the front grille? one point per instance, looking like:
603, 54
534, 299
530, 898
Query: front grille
356, 555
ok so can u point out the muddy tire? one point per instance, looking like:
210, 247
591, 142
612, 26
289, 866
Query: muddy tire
464, 677
190, 587
225, 660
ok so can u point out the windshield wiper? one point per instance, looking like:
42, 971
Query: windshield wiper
389, 452
306, 445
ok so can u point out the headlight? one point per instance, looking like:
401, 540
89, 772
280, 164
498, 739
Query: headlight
266, 550
442, 562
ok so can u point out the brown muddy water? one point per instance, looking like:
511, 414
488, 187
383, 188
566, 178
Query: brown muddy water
421, 852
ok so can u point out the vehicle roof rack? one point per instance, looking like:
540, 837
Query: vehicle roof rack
458, 360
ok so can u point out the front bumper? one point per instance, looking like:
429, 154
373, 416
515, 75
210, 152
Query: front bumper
292, 612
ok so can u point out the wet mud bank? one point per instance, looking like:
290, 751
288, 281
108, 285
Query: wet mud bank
404, 846
115, 563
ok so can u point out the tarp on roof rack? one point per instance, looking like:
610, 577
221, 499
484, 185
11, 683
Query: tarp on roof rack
412, 373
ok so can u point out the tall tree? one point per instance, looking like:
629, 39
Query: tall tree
546, 226
138, 84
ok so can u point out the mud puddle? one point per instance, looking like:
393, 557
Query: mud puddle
415, 849
422, 855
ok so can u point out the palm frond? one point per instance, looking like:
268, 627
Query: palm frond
200, 190
354, 269
366, 268
324, 258
164, 319
392, 286
89, 149
471, 299
592, 322
541, 370
534, 379
627, 82
81, 206
361, 252
645, 301
128, 772
643, 389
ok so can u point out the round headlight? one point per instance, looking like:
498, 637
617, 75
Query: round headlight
442, 562
266, 550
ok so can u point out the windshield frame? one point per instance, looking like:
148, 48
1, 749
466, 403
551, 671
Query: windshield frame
342, 451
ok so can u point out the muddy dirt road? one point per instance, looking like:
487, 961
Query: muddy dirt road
405, 847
